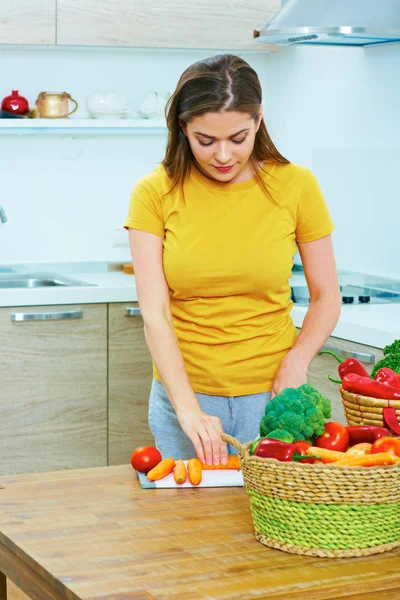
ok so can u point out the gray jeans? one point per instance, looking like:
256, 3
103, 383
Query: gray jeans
240, 417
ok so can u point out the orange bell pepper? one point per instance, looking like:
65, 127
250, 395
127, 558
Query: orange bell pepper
386, 444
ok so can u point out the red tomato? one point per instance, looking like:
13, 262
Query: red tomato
302, 446
145, 458
335, 437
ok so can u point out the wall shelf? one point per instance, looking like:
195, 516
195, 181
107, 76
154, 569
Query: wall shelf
80, 126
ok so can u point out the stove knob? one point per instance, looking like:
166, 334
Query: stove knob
347, 299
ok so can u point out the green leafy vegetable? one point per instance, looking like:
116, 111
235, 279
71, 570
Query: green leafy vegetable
391, 358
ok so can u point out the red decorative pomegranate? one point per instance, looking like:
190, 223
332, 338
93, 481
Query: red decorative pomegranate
15, 104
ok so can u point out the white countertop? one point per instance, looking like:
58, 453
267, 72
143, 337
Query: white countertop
372, 324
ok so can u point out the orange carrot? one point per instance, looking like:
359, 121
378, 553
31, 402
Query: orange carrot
180, 472
194, 471
369, 460
233, 463
359, 449
327, 456
163, 468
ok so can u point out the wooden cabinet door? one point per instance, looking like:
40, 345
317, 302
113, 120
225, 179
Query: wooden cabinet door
325, 365
28, 22
130, 375
53, 407
159, 24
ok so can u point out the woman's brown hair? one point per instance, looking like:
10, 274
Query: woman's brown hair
221, 83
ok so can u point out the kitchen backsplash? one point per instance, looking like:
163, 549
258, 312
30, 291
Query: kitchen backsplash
335, 110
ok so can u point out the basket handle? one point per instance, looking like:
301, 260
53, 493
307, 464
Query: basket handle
232, 441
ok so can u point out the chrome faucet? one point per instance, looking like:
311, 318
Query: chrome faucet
3, 216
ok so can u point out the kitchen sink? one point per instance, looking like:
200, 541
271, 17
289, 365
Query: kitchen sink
38, 280
351, 294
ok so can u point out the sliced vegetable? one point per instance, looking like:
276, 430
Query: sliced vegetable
233, 463
391, 421
327, 456
165, 467
366, 433
369, 460
180, 473
366, 386
335, 437
360, 449
195, 471
386, 444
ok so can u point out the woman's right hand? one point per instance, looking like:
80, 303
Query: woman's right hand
205, 433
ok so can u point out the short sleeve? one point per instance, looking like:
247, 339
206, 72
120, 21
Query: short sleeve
145, 209
313, 218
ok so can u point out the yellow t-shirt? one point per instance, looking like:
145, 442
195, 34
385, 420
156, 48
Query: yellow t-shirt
228, 255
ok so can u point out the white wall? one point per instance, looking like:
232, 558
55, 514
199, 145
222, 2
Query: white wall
337, 110
333, 109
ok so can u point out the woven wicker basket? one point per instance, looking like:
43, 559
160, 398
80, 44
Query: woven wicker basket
322, 510
365, 410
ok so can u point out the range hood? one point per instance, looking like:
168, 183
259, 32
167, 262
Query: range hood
333, 22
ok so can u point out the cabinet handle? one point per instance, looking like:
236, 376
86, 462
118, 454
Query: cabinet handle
47, 316
133, 311
361, 356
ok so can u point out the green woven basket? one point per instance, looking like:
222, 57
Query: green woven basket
320, 509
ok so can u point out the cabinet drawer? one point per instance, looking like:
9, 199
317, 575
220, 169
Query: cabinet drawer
53, 413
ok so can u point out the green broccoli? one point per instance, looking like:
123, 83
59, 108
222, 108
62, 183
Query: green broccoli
281, 435
299, 413
391, 359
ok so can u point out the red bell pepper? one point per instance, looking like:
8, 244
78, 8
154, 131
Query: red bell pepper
302, 447
349, 365
283, 451
366, 386
359, 434
388, 377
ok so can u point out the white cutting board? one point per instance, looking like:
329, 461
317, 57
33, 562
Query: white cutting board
218, 478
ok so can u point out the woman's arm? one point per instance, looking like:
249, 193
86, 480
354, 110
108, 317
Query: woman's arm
153, 295
321, 317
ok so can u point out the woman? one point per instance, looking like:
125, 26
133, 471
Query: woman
213, 231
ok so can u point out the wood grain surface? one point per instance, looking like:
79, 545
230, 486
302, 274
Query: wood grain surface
53, 409
95, 534
227, 24
28, 22
130, 373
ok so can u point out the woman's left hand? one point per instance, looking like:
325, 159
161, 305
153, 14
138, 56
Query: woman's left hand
290, 374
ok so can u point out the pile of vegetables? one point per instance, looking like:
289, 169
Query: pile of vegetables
383, 383
295, 428
361, 446
148, 460
384, 451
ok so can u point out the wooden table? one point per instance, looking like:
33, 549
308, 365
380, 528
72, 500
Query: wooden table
95, 534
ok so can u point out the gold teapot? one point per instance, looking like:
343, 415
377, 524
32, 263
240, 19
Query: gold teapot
54, 105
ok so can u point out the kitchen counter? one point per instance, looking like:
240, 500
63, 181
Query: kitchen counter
371, 324
94, 534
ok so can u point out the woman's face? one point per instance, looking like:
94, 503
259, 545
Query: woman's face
222, 143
